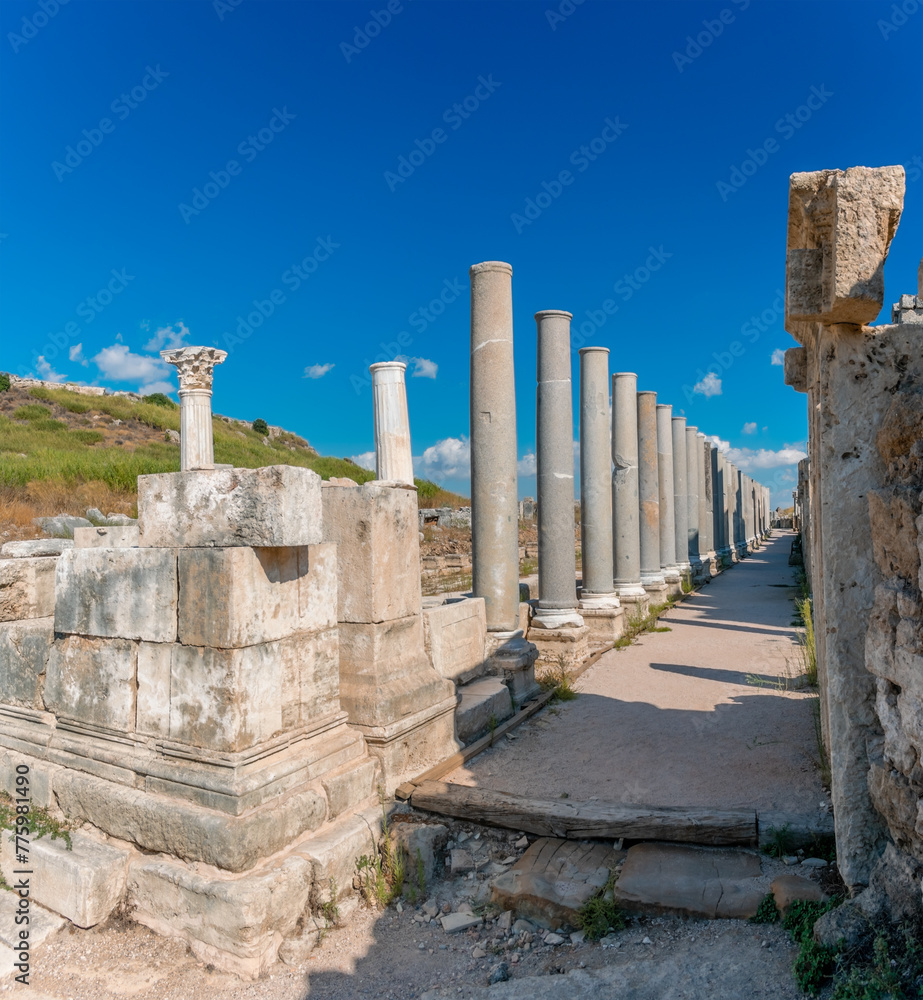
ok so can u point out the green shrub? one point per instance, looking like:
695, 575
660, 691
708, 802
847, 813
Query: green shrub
159, 399
260, 426
814, 962
4, 381
87, 437
599, 915
767, 912
31, 411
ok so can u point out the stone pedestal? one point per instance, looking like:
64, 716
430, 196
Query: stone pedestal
626, 522
494, 495
393, 456
511, 657
195, 366
652, 578
388, 686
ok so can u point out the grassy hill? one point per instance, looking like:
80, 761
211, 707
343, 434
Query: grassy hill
63, 451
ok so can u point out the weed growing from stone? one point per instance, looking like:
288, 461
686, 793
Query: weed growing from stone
558, 679
599, 916
779, 841
767, 912
41, 822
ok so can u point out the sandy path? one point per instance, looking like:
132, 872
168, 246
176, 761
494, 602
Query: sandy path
697, 716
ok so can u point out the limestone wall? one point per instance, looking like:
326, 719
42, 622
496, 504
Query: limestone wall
859, 507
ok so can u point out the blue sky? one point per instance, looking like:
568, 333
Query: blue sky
306, 184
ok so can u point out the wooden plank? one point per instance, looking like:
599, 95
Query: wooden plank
578, 820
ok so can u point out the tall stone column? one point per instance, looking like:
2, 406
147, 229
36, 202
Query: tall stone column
494, 500
557, 588
652, 578
626, 523
494, 486
680, 495
667, 502
393, 457
706, 504
718, 501
195, 367
694, 532
733, 490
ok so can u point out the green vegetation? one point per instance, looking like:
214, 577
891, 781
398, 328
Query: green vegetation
381, 875
893, 970
159, 399
31, 411
600, 916
767, 912
4, 381
41, 822
814, 961
527, 567
558, 680
259, 426
806, 647
779, 841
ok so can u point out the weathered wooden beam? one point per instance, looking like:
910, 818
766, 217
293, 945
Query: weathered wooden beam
579, 820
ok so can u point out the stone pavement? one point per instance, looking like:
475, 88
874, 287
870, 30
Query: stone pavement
708, 714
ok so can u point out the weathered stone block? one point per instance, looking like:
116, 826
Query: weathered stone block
455, 635
274, 506
107, 537
155, 666
795, 369
332, 854
24, 649
84, 884
241, 596
117, 593
349, 786
378, 551
93, 680
35, 547
480, 702
26, 588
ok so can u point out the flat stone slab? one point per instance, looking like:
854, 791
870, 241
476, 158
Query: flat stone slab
553, 879
453, 923
690, 881
35, 547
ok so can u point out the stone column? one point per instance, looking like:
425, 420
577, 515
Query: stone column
652, 578
706, 504
694, 533
680, 496
494, 506
599, 603
194, 366
626, 526
733, 490
393, 458
667, 504
719, 518
557, 587
494, 486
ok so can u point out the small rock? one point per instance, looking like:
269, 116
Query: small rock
523, 926
464, 908
786, 889
509, 860
399, 906
553, 939
452, 923
430, 908
499, 974
478, 952
578, 937
36, 547
95, 516
463, 836
789, 859
522, 843
814, 863
460, 861
505, 920
610, 941
646, 940
421, 946
514, 957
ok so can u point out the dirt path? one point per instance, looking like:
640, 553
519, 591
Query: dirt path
706, 714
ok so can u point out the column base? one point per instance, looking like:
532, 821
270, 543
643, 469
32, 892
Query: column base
560, 648
657, 593
649, 580
629, 591
555, 618
601, 602
701, 570
605, 625
511, 657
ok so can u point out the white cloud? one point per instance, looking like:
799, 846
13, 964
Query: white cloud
46, 372
424, 368
527, 465
76, 354
709, 386
119, 364
366, 460
750, 428
152, 387
317, 371
168, 337
449, 458
748, 459
778, 356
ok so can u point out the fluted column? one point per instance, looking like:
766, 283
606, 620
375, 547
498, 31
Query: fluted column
680, 495
626, 525
706, 502
393, 456
694, 534
557, 586
595, 481
666, 506
195, 367
649, 491
494, 501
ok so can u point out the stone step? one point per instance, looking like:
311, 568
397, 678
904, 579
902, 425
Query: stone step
481, 700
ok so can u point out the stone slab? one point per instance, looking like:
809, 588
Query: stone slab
83, 884
275, 505
35, 547
107, 537
117, 593
480, 701
454, 923
553, 879
454, 635
24, 649
42, 925
93, 681
690, 881
378, 551
26, 588
241, 596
